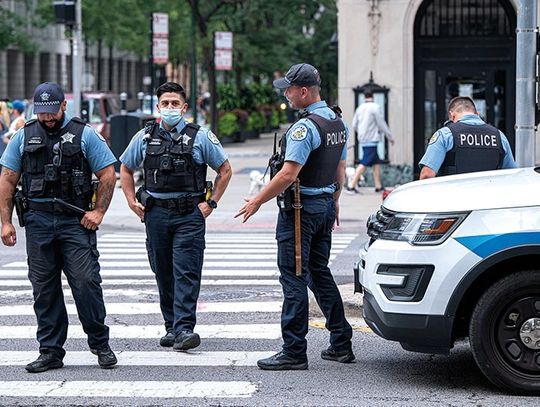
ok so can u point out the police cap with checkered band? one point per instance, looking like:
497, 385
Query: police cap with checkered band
48, 97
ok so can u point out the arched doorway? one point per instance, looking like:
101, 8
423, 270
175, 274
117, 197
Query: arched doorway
467, 48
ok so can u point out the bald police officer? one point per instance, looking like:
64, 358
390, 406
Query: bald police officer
314, 150
175, 155
467, 144
56, 156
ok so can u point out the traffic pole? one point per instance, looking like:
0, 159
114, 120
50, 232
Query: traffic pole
526, 34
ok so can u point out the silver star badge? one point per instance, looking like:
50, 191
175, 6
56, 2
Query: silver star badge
45, 97
68, 138
185, 139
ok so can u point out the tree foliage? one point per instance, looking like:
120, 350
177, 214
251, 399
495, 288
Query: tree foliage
268, 35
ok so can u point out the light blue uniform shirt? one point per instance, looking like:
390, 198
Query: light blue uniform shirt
206, 150
307, 139
93, 146
443, 141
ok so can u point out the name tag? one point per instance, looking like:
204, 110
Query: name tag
34, 141
478, 140
155, 142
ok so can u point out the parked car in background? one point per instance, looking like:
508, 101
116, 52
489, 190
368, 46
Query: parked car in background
96, 110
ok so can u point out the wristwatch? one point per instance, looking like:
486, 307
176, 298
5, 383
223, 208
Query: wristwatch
211, 203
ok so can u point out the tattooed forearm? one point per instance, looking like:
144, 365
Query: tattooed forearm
8, 182
221, 181
107, 180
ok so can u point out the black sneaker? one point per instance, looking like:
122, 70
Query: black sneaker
280, 361
186, 340
343, 356
106, 357
352, 191
44, 362
167, 341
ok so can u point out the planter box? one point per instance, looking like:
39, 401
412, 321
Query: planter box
251, 133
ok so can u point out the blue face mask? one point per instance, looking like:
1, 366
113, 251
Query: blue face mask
171, 117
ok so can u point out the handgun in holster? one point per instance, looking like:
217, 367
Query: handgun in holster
208, 192
145, 199
21, 206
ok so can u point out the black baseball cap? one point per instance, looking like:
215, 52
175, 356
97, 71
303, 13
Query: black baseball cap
48, 97
299, 75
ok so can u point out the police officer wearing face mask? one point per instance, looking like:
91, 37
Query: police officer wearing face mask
314, 149
467, 144
173, 205
56, 156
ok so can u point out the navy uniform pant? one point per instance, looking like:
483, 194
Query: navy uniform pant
56, 242
318, 216
175, 245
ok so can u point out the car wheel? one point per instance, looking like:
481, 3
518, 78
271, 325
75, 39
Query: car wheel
504, 332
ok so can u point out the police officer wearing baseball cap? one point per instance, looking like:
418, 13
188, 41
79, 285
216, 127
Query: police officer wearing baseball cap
56, 156
314, 149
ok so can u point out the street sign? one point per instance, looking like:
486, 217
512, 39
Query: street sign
160, 25
223, 59
160, 38
161, 50
223, 45
223, 40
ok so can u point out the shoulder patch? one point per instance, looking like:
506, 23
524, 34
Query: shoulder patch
434, 138
299, 133
212, 137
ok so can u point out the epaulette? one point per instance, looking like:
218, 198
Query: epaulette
30, 122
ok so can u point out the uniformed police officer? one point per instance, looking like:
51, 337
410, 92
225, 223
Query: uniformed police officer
172, 203
56, 156
313, 150
465, 145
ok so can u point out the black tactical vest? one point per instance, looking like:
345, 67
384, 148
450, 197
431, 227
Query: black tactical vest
320, 168
54, 166
476, 148
169, 165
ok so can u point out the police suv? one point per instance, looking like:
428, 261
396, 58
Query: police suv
456, 257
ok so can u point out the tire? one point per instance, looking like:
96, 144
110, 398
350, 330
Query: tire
494, 333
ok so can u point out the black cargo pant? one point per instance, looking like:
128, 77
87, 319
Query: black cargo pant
56, 242
318, 216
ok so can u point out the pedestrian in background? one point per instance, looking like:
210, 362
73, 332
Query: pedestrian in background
370, 126
56, 156
17, 120
314, 149
467, 144
174, 204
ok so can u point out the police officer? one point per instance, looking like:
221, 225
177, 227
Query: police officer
465, 145
313, 150
56, 156
173, 206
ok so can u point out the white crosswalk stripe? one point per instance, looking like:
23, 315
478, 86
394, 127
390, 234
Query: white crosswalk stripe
235, 264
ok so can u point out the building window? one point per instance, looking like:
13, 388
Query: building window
464, 18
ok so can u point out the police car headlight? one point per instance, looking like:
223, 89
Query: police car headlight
422, 229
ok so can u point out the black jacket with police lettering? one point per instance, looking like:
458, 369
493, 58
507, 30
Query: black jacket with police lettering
54, 166
169, 165
320, 168
476, 148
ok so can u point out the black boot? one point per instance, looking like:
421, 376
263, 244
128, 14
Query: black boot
167, 341
281, 361
44, 362
186, 340
106, 357
343, 356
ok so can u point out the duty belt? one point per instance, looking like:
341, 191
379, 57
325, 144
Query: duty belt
56, 206
183, 205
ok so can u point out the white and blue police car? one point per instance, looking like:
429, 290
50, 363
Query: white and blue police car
455, 257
